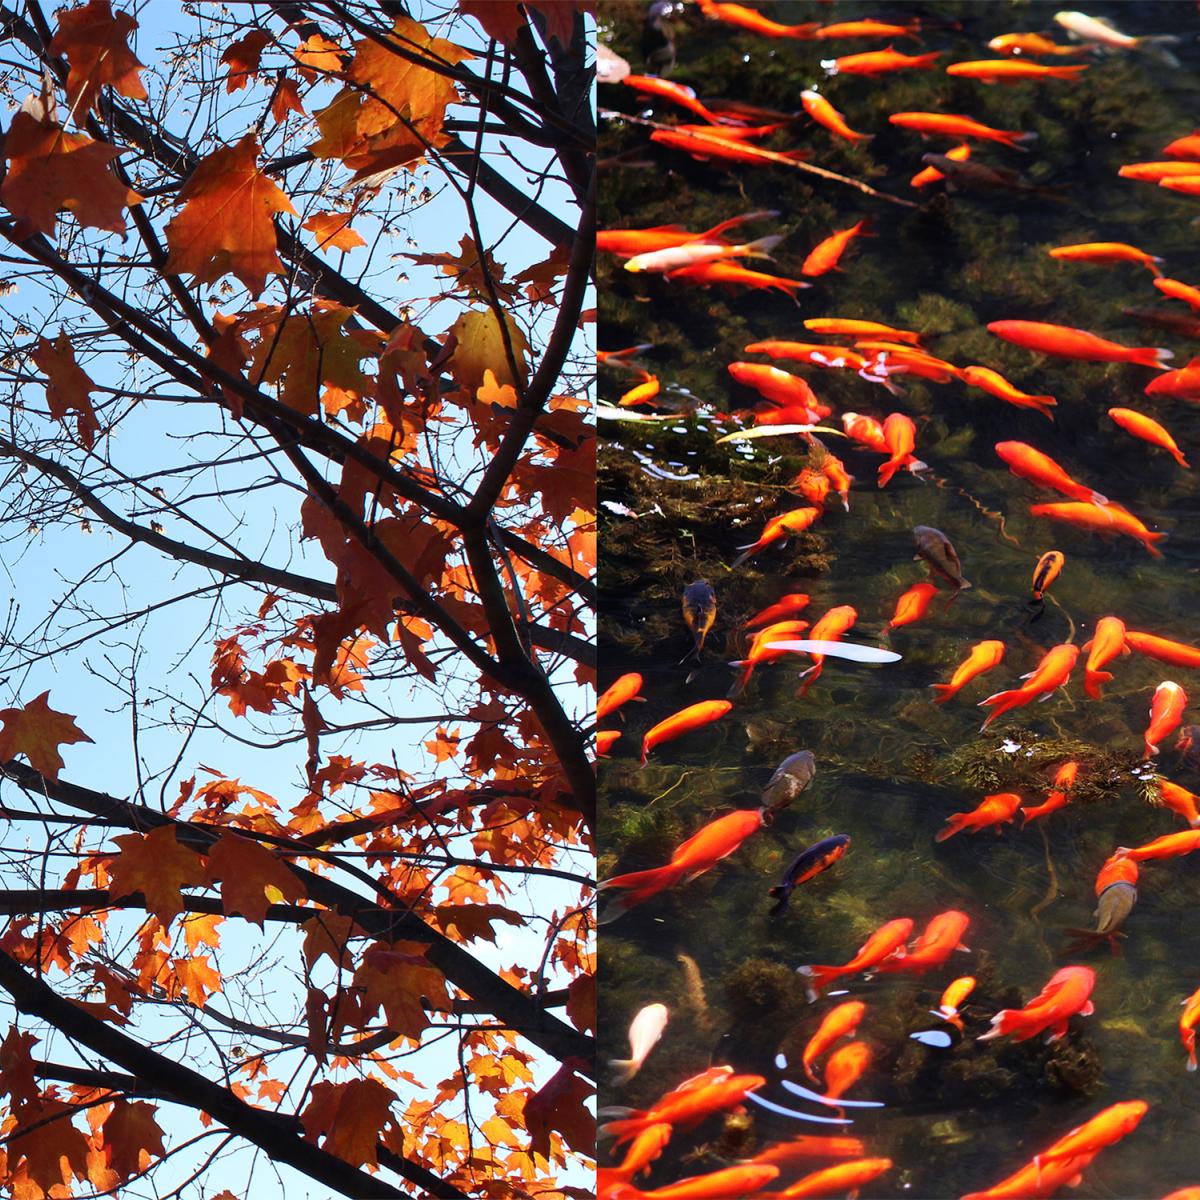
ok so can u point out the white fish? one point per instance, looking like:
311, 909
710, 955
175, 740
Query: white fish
863, 654
762, 431
1104, 33
701, 252
644, 1031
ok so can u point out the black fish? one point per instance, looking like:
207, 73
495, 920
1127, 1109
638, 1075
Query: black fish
699, 613
807, 865
934, 547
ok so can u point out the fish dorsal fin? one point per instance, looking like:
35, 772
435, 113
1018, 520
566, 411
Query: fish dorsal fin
1192, 363
1087, 1009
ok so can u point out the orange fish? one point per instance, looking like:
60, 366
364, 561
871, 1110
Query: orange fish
1178, 654
954, 125
928, 175
942, 936
1149, 430
845, 327
814, 486
913, 605
1010, 70
846, 1066
1185, 147
881, 62
628, 242
857, 29
1107, 252
865, 430
1033, 43
1047, 570
1166, 714
703, 850
1110, 519
742, 1180
1180, 800
1063, 997
777, 529
1052, 673
952, 999
1183, 384
1188, 1020
1117, 869
835, 471
1033, 1182
1064, 781
707, 145
1171, 845
1188, 185
838, 1023
783, 608
760, 651
899, 437
1027, 463
1107, 642
642, 393
620, 358
674, 93
621, 692
717, 1090
806, 1145
1104, 1129
996, 385
1180, 291
684, 721
605, 740
1154, 172
643, 1150
793, 414
983, 657
748, 18
891, 358
774, 384
886, 940
1066, 342
826, 255
833, 1181
829, 118
994, 810
737, 276
830, 628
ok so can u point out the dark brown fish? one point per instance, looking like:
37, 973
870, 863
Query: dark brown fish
699, 613
1179, 323
791, 777
970, 174
934, 547
1115, 904
1188, 745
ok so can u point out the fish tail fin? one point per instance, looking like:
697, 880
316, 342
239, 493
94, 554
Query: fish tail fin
893, 388
944, 692
1019, 140
1099, 498
1191, 1062
1156, 45
623, 1069
1152, 356
1002, 1024
739, 684
1183, 462
640, 885
1092, 682
886, 472
622, 1130
810, 677
746, 553
1149, 540
816, 979
716, 231
783, 894
954, 824
762, 247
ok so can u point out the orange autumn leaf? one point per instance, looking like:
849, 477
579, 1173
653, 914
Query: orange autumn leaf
132, 1137
286, 98
500, 19
225, 226
480, 346
157, 866
399, 979
349, 1117
243, 57
16, 1066
444, 743
68, 387
581, 1002
466, 922
332, 230
51, 170
53, 1149
327, 933
96, 45
192, 978
559, 1106
470, 271
37, 731
245, 869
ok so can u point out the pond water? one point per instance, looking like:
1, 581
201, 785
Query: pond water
892, 765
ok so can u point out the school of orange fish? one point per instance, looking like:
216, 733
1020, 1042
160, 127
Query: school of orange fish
881, 355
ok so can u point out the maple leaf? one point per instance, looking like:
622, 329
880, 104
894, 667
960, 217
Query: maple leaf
16, 1066
500, 19
328, 933
397, 978
243, 57
470, 270
193, 978
96, 45
245, 869
37, 731
559, 1105
225, 225
51, 170
581, 1002
560, 18
466, 922
317, 55
132, 1137
444, 744
332, 229
54, 1150
68, 386
479, 345
156, 865
349, 1116
286, 98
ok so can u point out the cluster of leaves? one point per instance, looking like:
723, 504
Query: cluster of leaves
358, 497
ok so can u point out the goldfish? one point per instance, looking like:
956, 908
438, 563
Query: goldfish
1064, 780
689, 253
1032, 43
1052, 673
1047, 570
1104, 1129
996, 385
1179, 800
1180, 291
833, 1181
684, 721
814, 486
1117, 868
1178, 654
760, 651
621, 358
790, 778
703, 850
928, 175
748, 18
1154, 172
644, 1032
1110, 519
868, 28
737, 276
1065, 342
675, 93
1184, 1193
1183, 384
1027, 463
1149, 430
774, 384
891, 358
621, 692
628, 242
826, 255
642, 393
838, 1023
835, 471
913, 605
846, 1066
865, 430
845, 327
1170, 845
829, 118
688, 1104
1185, 147
1010, 70
899, 436
955, 125
1064, 996
605, 740
808, 864
643, 1150
983, 657
831, 357
705, 146
1166, 714
1116, 894
723, 1184
939, 555
881, 62
778, 529
941, 937
699, 612
793, 414
1188, 1020
830, 628
887, 940
1033, 1182
805, 1145
1102, 31
996, 810
786, 606
1107, 252
1188, 185
950, 1004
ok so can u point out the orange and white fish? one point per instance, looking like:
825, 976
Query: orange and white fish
846, 1066
751, 19
838, 1023
783, 608
996, 385
1170, 845
1051, 673
1107, 252
1179, 800
1046, 571
1010, 70
891, 358
773, 383
1104, 1129
1101, 519
621, 692
1065, 995
830, 628
1102, 32
950, 1005
1188, 1020
1065, 342
645, 1030
674, 257
1166, 714
1033, 43
834, 1181
1064, 781
899, 438
882, 62
1149, 430
995, 810
983, 657
628, 242
941, 937
1178, 290
826, 255
1178, 654
887, 940
913, 605
1027, 463
829, 118
778, 529
716, 1090
956, 125
1106, 643
684, 721
761, 651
